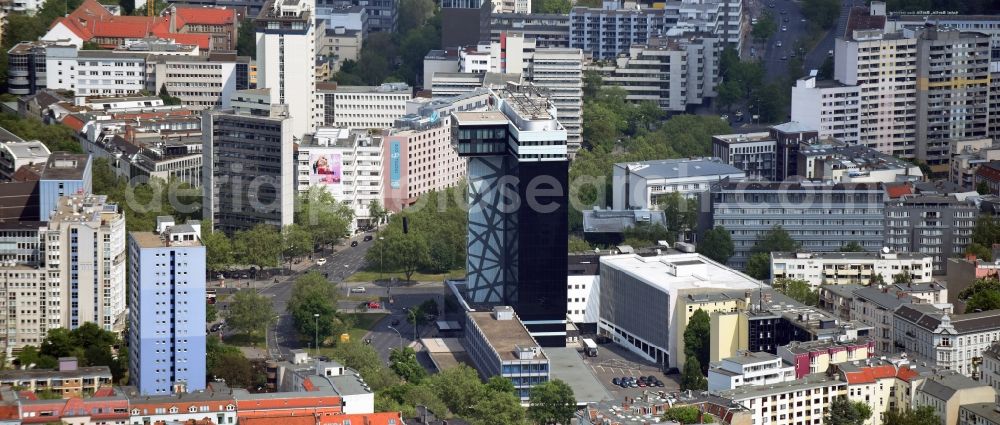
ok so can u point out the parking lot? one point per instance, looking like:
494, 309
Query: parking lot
613, 361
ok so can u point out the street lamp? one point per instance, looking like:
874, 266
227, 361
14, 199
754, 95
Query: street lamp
400, 337
316, 316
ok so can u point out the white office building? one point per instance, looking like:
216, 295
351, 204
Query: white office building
286, 54
638, 185
94, 72
836, 268
749, 368
629, 280
364, 107
833, 108
346, 164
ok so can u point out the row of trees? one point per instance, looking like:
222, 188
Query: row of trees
319, 220
55, 137
434, 240
744, 81
697, 349
617, 130
458, 391
91, 345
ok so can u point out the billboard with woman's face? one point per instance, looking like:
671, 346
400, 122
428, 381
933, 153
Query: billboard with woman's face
325, 168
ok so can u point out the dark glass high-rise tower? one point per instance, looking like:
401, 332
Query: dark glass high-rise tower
518, 200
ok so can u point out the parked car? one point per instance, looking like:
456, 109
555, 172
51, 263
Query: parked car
614, 381
394, 322
354, 243
358, 290
321, 261
368, 238
374, 304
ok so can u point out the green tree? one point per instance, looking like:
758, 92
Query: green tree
561, 7
228, 362
877, 280
765, 28
500, 384
923, 415
681, 212
845, 412
312, 295
404, 363
759, 266
821, 12
577, 244
218, 249
592, 83
211, 313
695, 344
983, 301
691, 376
717, 244
259, 246
852, 246
902, 277
404, 397
364, 359
167, 98
683, 414
395, 250
798, 290
377, 212
460, 388
413, 14
775, 240
983, 188
497, 409
246, 39
297, 241
981, 252
56, 137
325, 218
249, 313
552, 402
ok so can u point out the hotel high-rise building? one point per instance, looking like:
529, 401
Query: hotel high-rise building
167, 308
286, 51
249, 175
517, 175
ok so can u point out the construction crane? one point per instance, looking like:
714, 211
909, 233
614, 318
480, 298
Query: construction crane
150, 7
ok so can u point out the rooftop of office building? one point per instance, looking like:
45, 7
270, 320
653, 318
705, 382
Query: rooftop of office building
481, 118
507, 336
737, 138
817, 380
32, 149
803, 186
333, 137
65, 166
680, 271
678, 168
399, 88
859, 256
744, 357
82, 208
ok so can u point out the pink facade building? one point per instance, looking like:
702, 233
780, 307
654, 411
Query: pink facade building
419, 157
817, 356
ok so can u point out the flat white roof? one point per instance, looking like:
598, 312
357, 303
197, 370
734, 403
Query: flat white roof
673, 272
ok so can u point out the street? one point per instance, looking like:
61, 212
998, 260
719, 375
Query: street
343, 262
797, 29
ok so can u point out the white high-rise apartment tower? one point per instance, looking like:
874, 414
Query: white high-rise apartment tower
286, 51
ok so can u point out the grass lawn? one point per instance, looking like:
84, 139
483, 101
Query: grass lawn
363, 322
244, 340
371, 276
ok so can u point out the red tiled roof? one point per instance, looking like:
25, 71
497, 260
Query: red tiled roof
896, 191
906, 374
73, 122
9, 412
204, 16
